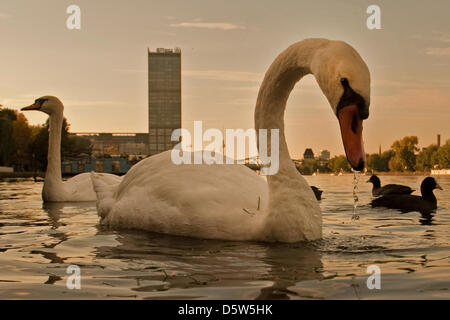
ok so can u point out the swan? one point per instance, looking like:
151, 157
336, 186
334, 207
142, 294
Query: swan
78, 188
231, 202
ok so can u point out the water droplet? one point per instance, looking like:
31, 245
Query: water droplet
356, 175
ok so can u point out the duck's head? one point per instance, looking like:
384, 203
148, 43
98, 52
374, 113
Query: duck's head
344, 78
429, 184
48, 104
374, 180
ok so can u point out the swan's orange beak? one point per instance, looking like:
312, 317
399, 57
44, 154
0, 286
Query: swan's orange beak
351, 131
34, 106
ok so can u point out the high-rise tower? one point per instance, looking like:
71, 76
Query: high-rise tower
164, 97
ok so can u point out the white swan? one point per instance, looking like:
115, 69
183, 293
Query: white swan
232, 202
78, 188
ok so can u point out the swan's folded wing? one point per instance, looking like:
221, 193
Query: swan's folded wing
105, 187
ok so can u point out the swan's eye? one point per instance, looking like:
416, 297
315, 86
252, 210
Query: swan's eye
344, 81
40, 101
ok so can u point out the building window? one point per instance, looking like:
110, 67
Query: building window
80, 168
99, 166
68, 168
115, 166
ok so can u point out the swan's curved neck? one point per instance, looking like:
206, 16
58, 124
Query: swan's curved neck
53, 173
294, 214
287, 69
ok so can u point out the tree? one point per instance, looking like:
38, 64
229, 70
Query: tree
7, 117
77, 146
308, 166
38, 147
71, 146
21, 139
339, 163
405, 157
443, 155
427, 158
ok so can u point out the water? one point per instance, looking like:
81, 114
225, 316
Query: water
38, 243
356, 175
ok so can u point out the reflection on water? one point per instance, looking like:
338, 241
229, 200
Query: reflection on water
39, 241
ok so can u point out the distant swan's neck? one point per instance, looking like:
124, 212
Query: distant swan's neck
292, 206
53, 174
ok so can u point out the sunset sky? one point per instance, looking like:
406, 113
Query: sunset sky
100, 71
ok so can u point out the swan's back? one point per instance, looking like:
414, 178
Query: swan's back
206, 201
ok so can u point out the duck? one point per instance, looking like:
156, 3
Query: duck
76, 189
424, 204
388, 189
317, 192
231, 202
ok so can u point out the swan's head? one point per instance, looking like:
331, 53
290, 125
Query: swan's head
48, 104
344, 78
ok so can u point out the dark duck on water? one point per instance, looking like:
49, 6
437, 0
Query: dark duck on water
389, 189
317, 192
425, 204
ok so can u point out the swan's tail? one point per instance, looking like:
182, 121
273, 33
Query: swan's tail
105, 191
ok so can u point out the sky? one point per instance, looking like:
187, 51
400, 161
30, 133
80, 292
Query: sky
100, 71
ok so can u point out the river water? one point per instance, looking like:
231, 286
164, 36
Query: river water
38, 242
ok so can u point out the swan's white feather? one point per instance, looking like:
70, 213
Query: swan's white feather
80, 187
221, 201
204, 201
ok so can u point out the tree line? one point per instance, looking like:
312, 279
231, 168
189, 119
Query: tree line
403, 156
24, 146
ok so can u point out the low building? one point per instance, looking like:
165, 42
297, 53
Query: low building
115, 144
439, 172
116, 165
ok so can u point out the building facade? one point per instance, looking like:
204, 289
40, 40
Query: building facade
164, 98
115, 144
116, 165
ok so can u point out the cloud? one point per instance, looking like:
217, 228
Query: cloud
442, 52
224, 75
416, 36
424, 102
208, 25
441, 37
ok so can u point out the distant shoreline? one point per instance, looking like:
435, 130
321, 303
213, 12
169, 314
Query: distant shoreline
389, 173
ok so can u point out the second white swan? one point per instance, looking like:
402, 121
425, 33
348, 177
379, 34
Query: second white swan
78, 188
232, 202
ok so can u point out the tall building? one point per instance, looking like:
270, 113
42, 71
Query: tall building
164, 98
324, 155
308, 154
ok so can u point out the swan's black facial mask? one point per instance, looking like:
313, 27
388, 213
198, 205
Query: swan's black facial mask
37, 105
350, 97
351, 111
